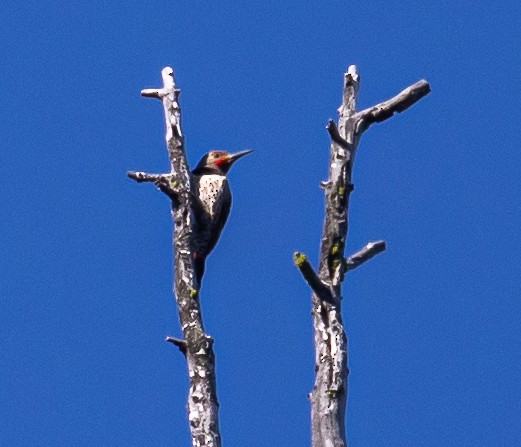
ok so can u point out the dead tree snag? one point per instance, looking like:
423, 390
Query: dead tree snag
329, 394
196, 345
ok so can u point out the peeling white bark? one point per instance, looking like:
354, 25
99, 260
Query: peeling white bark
329, 395
196, 345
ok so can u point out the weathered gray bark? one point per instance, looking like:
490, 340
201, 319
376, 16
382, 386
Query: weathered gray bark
196, 344
329, 394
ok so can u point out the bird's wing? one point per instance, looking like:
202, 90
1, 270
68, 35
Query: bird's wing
218, 223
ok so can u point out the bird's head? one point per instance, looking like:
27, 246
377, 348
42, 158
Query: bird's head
219, 161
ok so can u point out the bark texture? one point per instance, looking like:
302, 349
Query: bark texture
329, 395
196, 345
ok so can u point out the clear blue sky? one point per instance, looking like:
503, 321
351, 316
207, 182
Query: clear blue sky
85, 272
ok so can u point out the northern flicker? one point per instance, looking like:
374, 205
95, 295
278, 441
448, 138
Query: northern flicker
212, 204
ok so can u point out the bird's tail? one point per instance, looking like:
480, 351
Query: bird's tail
199, 264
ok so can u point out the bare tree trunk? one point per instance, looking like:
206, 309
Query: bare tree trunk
196, 344
329, 394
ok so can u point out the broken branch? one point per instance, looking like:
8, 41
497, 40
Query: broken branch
370, 250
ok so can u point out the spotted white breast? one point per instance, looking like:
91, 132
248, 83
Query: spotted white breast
211, 190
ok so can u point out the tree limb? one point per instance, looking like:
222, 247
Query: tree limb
335, 135
141, 177
364, 254
164, 182
402, 101
196, 344
317, 285
181, 344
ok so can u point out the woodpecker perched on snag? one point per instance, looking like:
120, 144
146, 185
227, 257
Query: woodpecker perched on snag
212, 204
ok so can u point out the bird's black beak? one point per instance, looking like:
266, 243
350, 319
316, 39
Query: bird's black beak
237, 155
